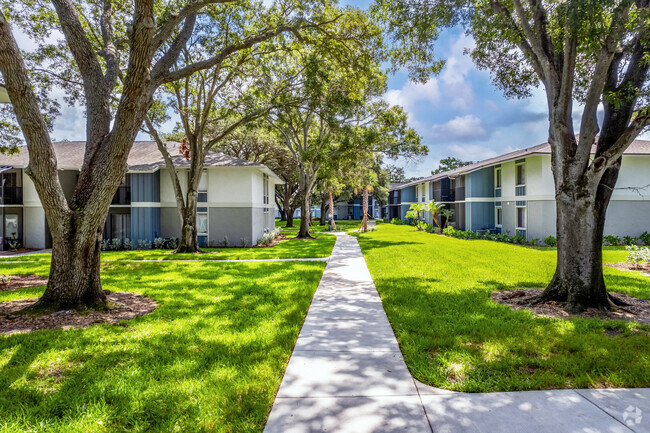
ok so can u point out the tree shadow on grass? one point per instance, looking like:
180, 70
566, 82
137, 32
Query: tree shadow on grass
460, 339
209, 358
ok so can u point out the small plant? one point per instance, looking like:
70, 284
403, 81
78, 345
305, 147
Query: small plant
14, 245
636, 255
172, 243
225, 241
116, 244
144, 244
534, 241
244, 242
645, 238
611, 240
127, 244
550, 241
159, 243
629, 240
105, 244
449, 231
397, 221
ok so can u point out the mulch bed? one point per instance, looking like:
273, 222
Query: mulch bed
638, 310
123, 306
14, 282
645, 269
18, 251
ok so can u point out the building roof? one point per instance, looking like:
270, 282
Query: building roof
638, 147
144, 157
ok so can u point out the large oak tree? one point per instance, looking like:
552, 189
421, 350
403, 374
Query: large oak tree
112, 56
594, 52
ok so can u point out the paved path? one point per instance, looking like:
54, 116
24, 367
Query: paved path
346, 374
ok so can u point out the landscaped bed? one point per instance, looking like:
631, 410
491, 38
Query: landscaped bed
289, 248
437, 292
210, 357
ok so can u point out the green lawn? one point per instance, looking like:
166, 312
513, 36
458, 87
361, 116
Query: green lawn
341, 225
290, 248
436, 291
210, 358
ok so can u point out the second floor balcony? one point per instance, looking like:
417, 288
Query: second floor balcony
11, 195
122, 196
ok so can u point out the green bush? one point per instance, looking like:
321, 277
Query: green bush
550, 241
645, 238
611, 240
629, 240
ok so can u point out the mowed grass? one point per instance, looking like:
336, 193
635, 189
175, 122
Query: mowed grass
341, 225
290, 248
436, 291
209, 359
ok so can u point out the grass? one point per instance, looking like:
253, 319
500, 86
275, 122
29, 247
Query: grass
290, 248
341, 225
436, 291
209, 359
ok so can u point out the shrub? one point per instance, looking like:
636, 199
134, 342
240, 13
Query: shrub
645, 238
449, 231
637, 255
172, 243
116, 244
269, 236
611, 240
144, 244
225, 242
550, 241
128, 244
105, 244
159, 243
244, 242
534, 241
14, 245
629, 240
397, 221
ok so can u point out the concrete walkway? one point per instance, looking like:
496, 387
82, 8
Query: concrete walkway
346, 374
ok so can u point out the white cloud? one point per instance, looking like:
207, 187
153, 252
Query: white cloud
468, 128
456, 87
411, 93
472, 152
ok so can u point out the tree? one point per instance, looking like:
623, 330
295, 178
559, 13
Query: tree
450, 163
595, 52
335, 108
447, 213
114, 57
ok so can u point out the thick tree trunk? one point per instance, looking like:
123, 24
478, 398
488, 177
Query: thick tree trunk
290, 212
331, 200
189, 242
305, 217
74, 280
323, 212
283, 214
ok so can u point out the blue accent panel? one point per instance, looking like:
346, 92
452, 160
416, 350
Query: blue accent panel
498, 229
482, 216
497, 192
481, 183
356, 210
497, 203
203, 241
403, 209
520, 190
202, 197
201, 209
408, 194
145, 187
145, 223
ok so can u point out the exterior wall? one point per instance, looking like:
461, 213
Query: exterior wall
68, 180
170, 223
145, 187
234, 223
145, 223
34, 227
480, 183
480, 216
408, 195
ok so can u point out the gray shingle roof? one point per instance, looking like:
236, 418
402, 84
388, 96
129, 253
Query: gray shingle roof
144, 156
638, 147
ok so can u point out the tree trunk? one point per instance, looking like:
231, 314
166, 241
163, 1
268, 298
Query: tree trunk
283, 214
290, 212
364, 223
74, 280
189, 242
323, 211
331, 200
305, 217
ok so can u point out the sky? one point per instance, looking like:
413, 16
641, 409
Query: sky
457, 113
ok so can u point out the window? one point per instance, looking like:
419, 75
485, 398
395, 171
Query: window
499, 216
520, 174
11, 226
497, 177
521, 217
265, 188
202, 224
120, 226
203, 182
423, 189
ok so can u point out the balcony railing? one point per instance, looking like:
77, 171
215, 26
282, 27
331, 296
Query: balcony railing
11, 195
122, 196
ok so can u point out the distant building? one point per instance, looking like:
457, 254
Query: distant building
235, 197
515, 193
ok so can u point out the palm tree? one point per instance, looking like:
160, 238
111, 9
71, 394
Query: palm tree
435, 209
367, 189
447, 213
